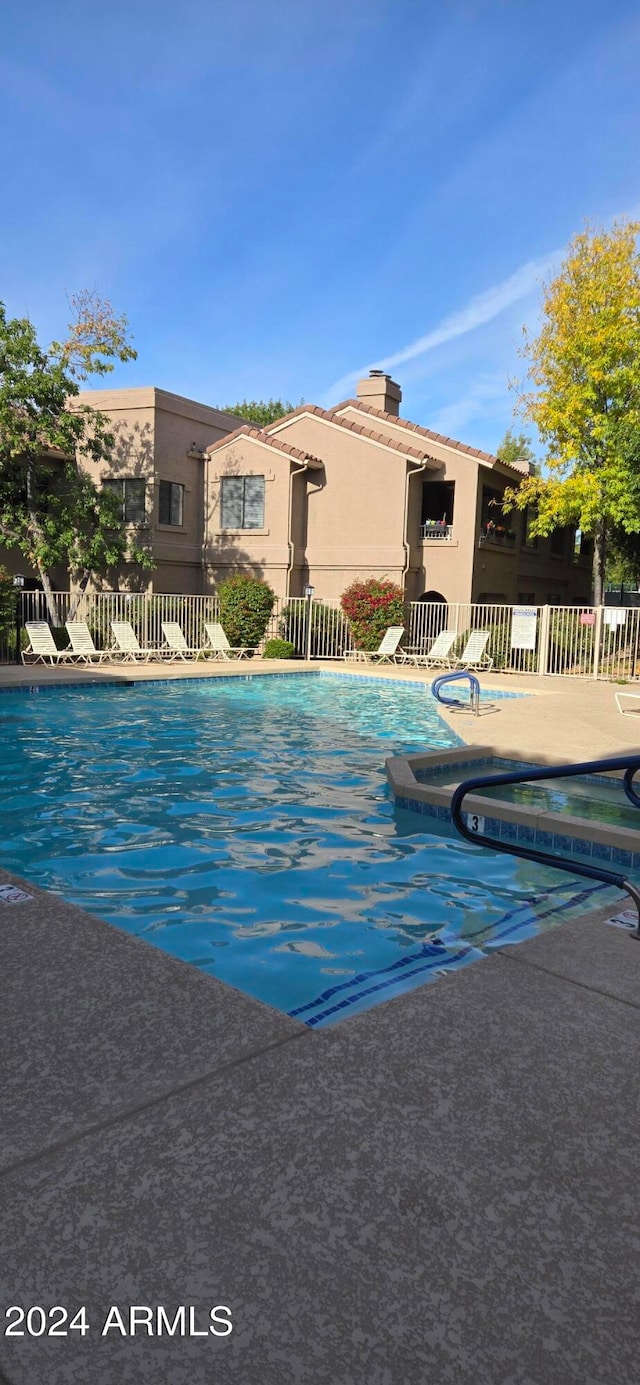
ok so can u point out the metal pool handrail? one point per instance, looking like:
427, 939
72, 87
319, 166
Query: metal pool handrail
474, 691
629, 763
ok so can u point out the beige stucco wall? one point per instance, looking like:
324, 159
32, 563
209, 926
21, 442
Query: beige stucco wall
155, 432
436, 565
463, 570
355, 521
264, 552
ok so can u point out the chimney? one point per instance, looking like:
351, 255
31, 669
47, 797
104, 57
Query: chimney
380, 391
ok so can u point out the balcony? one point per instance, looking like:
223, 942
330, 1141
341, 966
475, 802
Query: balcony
436, 529
496, 536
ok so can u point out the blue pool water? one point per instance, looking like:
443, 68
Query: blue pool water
244, 825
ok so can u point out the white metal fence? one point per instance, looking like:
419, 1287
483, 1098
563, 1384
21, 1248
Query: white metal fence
575, 641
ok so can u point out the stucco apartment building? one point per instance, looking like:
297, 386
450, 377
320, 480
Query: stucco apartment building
321, 497
157, 471
325, 496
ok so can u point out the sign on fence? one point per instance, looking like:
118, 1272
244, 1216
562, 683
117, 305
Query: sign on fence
523, 627
614, 617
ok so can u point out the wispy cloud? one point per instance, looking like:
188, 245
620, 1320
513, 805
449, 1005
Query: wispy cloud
483, 308
480, 400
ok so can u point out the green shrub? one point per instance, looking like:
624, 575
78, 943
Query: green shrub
279, 649
328, 629
371, 607
60, 637
246, 604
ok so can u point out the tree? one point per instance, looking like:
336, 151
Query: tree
584, 396
516, 447
623, 560
260, 411
50, 508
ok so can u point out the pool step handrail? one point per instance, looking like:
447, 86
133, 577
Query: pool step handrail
474, 691
629, 763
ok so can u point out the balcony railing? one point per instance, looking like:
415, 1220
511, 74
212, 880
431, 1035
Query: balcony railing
436, 529
496, 536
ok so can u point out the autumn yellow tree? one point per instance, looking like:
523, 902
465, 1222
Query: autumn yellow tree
582, 391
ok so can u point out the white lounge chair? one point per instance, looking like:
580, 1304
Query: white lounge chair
82, 643
176, 642
42, 646
473, 654
128, 647
219, 645
387, 649
629, 697
439, 656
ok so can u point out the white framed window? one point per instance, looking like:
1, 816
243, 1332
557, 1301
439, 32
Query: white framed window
242, 502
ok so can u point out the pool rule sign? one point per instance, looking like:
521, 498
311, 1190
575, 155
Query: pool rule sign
524, 622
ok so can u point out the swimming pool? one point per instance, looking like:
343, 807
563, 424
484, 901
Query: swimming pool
243, 824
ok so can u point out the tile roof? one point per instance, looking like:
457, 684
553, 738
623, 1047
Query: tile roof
424, 432
247, 431
329, 414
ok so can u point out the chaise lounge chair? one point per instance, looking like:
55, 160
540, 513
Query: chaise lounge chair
439, 656
386, 651
473, 654
43, 648
176, 644
128, 647
219, 645
82, 643
628, 697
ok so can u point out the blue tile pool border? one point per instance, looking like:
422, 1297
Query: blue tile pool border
347, 677
534, 836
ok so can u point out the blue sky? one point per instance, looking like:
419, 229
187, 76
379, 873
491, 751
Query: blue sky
283, 193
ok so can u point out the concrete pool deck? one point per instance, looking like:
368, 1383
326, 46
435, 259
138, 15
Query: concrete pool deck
438, 1190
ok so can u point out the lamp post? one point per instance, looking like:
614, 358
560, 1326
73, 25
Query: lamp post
18, 583
308, 592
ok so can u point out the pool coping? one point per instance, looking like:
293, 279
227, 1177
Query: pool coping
145, 675
505, 821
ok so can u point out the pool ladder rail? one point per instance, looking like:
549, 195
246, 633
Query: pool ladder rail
629, 763
474, 691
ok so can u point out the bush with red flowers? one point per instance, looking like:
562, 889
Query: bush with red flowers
371, 607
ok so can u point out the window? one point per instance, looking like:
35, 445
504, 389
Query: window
242, 502
492, 506
527, 538
557, 542
132, 496
526, 598
584, 546
437, 501
170, 503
